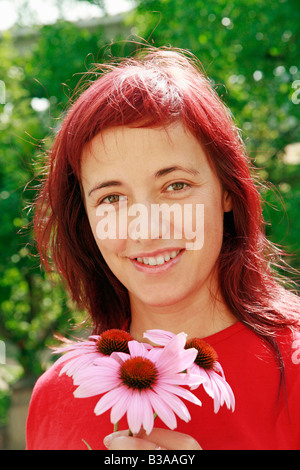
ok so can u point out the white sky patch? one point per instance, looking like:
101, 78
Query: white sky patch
47, 11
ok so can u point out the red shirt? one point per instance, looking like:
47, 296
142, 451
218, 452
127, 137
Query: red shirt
261, 420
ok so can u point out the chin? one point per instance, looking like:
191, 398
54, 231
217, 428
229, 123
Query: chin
157, 299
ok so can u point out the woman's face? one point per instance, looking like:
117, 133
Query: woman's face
128, 174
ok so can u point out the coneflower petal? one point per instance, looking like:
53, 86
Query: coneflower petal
174, 402
159, 337
121, 405
163, 410
148, 418
107, 401
135, 412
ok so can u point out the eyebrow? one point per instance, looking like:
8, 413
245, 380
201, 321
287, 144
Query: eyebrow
158, 174
105, 184
166, 171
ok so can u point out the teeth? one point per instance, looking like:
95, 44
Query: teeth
152, 261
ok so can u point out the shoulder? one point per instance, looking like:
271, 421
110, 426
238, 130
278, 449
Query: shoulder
296, 348
59, 421
45, 409
289, 419
289, 344
50, 385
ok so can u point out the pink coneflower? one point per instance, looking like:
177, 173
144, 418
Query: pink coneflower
206, 366
81, 354
141, 383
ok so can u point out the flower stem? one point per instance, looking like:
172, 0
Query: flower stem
116, 426
88, 446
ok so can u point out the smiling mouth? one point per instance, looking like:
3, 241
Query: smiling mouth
158, 260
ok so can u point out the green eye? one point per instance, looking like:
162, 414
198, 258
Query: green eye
112, 199
176, 186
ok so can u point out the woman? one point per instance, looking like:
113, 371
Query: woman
151, 131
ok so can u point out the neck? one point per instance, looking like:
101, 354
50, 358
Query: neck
200, 316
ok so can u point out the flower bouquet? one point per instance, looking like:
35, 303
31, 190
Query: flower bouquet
144, 381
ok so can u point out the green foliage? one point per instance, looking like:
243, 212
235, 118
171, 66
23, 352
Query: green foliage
62, 53
32, 307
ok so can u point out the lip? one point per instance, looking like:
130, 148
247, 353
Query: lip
155, 253
159, 268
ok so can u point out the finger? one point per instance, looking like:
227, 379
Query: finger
131, 443
158, 439
172, 440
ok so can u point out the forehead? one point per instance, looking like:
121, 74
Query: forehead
142, 148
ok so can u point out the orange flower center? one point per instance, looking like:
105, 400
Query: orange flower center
138, 373
113, 341
206, 357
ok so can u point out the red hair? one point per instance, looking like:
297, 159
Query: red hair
157, 88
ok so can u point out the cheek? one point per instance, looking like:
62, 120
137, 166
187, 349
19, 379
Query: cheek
213, 232
110, 247
106, 238
207, 219
111, 250
213, 223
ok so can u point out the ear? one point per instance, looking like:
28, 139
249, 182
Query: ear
227, 201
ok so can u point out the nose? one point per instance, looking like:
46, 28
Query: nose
145, 222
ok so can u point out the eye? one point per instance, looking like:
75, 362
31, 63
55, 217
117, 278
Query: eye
112, 199
179, 185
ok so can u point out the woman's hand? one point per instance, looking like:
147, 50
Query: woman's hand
158, 439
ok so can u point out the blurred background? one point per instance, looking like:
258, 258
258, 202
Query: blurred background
251, 53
